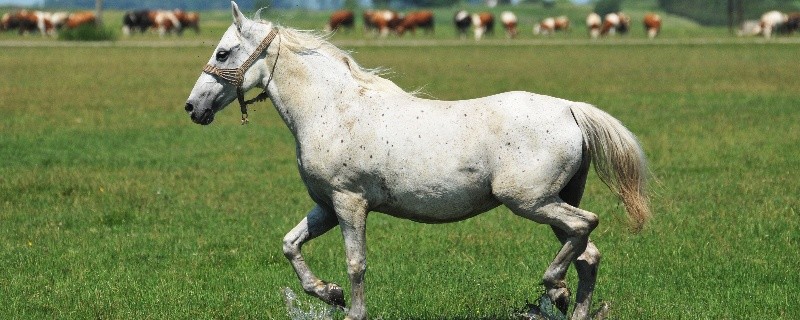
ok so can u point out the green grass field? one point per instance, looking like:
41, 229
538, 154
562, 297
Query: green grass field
114, 205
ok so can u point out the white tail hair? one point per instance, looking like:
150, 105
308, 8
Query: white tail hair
618, 160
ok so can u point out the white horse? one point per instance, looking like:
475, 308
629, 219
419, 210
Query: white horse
364, 144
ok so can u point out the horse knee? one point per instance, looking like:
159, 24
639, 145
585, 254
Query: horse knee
577, 222
591, 256
290, 247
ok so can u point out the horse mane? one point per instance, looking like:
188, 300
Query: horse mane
299, 41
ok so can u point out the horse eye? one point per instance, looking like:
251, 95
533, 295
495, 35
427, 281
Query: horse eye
222, 55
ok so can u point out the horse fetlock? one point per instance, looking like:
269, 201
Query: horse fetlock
329, 293
356, 313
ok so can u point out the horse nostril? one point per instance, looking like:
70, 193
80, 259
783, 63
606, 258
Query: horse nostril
189, 107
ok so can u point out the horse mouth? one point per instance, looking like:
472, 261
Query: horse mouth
204, 118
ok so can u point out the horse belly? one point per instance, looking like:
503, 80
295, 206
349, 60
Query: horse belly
437, 202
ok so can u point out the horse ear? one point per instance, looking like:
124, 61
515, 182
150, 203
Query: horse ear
257, 16
238, 17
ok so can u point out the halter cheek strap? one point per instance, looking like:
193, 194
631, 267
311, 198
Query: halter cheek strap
235, 76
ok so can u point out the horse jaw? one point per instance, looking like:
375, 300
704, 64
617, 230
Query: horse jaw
208, 96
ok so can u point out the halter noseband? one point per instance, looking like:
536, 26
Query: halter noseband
236, 76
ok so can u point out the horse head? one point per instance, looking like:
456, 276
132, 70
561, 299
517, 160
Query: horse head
232, 68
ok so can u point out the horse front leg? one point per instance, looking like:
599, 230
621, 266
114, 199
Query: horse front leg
588, 262
317, 222
352, 212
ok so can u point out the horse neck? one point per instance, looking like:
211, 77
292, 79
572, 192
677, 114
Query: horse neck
304, 85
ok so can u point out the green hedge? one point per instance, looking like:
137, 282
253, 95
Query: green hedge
87, 33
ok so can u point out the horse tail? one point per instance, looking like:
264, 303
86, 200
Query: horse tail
618, 160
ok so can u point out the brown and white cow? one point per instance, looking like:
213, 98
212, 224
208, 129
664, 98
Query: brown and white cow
615, 22
24, 21
773, 21
78, 19
382, 21
483, 24
652, 24
164, 21
188, 20
416, 19
594, 23
47, 23
550, 25
509, 21
369, 27
59, 19
344, 19
44, 23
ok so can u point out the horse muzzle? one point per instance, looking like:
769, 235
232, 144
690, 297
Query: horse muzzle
204, 117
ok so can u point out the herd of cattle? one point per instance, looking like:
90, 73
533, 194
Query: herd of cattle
162, 21
385, 22
770, 23
47, 23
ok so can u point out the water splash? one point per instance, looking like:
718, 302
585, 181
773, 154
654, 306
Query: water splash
298, 311
543, 309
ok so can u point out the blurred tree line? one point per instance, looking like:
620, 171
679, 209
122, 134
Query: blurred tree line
722, 12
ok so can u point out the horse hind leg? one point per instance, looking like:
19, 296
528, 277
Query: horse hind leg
317, 222
588, 262
587, 265
575, 225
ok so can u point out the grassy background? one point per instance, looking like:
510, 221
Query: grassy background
114, 205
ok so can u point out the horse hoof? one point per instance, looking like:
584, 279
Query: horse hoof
334, 295
560, 298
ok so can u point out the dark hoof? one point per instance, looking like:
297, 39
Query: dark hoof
334, 295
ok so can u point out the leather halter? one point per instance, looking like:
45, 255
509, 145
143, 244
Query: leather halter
235, 76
